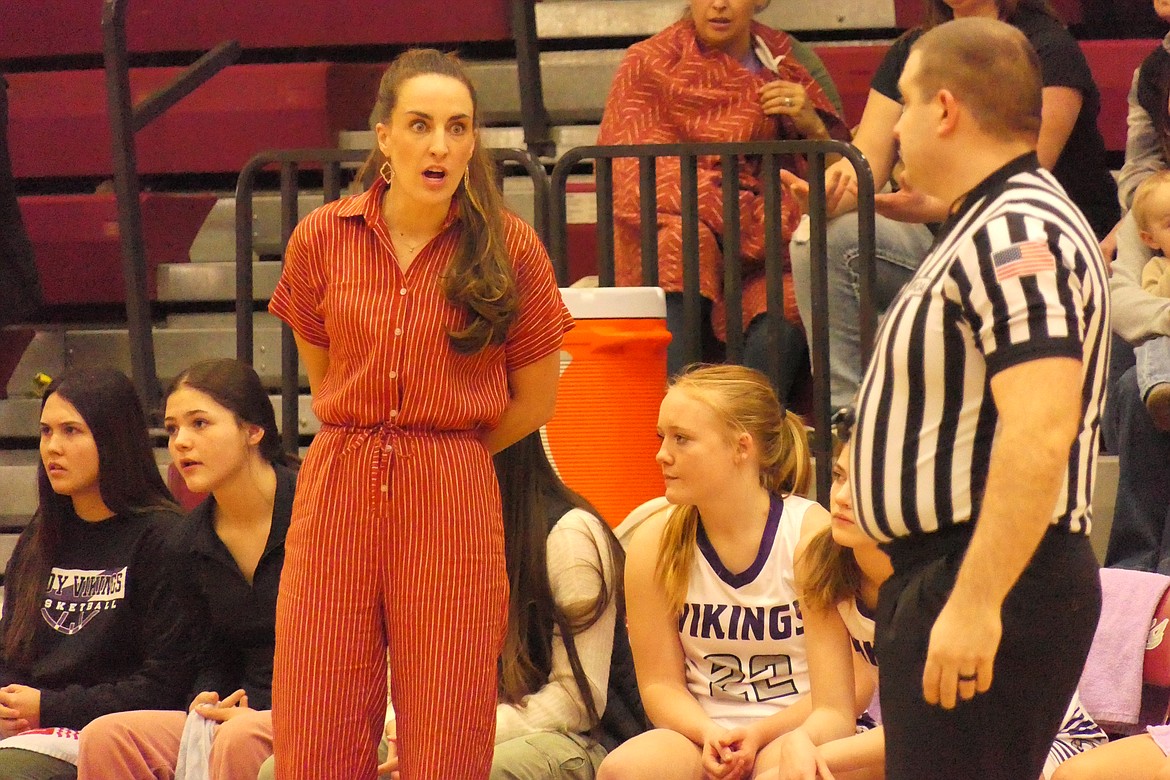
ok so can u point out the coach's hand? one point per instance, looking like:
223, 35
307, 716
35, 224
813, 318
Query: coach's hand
961, 656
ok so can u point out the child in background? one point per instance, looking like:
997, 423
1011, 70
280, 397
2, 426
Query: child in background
1151, 210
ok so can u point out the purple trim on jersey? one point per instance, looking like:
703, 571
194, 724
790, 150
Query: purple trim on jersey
746, 577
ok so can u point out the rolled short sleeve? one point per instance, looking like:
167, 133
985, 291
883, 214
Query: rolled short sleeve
885, 78
1020, 292
1062, 63
300, 291
542, 319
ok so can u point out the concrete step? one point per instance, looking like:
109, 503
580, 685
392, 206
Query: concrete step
211, 275
575, 85
178, 342
18, 473
213, 281
216, 240
46, 354
510, 137
183, 340
1104, 501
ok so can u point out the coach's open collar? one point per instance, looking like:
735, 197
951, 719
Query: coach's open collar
368, 205
360, 205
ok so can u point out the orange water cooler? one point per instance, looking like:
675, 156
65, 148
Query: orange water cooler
602, 438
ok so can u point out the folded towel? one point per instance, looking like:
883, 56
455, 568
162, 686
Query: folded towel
194, 761
1111, 685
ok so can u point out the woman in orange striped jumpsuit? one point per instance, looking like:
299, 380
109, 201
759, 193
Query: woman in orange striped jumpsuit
429, 323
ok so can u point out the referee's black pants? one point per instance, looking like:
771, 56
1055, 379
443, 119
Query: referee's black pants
1049, 618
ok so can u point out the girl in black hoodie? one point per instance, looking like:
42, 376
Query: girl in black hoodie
91, 623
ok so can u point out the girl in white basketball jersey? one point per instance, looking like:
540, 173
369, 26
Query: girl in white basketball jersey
839, 571
715, 625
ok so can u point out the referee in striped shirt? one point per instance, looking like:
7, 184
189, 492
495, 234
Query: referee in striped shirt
977, 426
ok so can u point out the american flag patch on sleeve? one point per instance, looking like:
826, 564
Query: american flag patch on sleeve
1027, 258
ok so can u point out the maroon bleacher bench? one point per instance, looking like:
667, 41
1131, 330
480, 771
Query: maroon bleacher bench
76, 241
50, 28
1112, 62
58, 124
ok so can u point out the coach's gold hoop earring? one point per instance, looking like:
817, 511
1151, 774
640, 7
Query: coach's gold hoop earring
467, 188
387, 173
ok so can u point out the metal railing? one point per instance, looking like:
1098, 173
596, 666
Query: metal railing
126, 120
533, 114
731, 155
332, 162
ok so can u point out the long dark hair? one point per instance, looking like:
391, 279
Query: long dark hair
128, 478
937, 11
533, 497
829, 572
480, 278
236, 387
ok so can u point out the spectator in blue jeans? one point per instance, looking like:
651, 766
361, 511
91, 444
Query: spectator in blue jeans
1070, 146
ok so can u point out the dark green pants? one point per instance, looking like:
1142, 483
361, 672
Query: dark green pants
18, 764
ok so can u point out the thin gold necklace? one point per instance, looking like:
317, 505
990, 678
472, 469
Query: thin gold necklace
412, 248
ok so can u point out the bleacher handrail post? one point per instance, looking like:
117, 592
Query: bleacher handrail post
125, 121
118, 100
533, 113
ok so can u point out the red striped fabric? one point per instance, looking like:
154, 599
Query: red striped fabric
396, 539
671, 90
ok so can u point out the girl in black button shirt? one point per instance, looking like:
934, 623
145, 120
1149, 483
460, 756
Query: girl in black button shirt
224, 441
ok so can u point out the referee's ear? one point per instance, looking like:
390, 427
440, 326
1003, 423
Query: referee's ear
949, 112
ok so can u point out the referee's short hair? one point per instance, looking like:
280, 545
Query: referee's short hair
990, 67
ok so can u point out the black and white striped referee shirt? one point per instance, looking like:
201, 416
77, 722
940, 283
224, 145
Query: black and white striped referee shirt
1015, 275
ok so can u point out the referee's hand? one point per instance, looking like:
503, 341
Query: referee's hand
961, 656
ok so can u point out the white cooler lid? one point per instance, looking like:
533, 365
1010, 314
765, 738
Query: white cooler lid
615, 303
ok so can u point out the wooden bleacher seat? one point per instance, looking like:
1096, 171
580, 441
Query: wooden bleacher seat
1112, 62
852, 67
